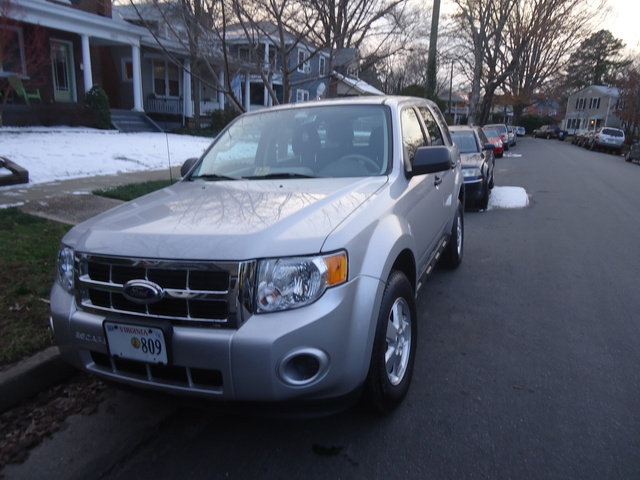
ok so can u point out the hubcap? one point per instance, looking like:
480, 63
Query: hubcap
459, 235
398, 341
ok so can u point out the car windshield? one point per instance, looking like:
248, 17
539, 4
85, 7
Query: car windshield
466, 141
491, 132
319, 141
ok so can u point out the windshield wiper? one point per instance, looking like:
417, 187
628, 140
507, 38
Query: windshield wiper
281, 175
211, 176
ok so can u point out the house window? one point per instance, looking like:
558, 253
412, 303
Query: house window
302, 95
166, 79
322, 66
12, 58
303, 61
594, 104
127, 70
244, 54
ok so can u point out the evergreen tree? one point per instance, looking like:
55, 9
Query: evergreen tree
597, 62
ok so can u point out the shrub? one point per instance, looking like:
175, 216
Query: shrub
98, 101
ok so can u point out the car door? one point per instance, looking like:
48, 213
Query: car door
446, 186
421, 202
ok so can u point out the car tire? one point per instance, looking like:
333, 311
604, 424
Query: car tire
452, 256
394, 346
492, 181
627, 157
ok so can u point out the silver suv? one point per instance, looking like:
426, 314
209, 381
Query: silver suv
608, 138
284, 266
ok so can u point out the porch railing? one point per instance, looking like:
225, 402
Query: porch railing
173, 106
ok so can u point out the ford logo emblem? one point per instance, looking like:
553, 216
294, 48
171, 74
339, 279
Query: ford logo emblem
142, 292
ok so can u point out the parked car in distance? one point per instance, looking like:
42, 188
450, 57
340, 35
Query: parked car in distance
547, 131
284, 266
494, 137
587, 139
578, 137
504, 133
609, 139
521, 131
478, 163
513, 137
633, 154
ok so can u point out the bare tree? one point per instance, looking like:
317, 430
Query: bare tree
484, 23
516, 45
629, 88
377, 29
561, 26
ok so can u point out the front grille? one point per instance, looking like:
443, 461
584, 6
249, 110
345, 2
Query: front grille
184, 377
213, 294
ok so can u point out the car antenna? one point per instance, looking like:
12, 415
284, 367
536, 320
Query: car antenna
166, 136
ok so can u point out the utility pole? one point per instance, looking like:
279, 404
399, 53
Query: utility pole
430, 90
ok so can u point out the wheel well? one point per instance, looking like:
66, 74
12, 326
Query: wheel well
407, 265
461, 194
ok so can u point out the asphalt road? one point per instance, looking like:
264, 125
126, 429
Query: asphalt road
527, 364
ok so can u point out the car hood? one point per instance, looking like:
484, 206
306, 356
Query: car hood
226, 220
471, 159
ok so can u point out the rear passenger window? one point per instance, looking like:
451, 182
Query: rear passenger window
412, 136
432, 126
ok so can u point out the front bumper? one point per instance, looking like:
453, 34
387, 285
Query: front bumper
317, 352
474, 189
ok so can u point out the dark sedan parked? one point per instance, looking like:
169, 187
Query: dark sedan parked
478, 161
549, 131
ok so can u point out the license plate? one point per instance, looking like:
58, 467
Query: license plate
134, 342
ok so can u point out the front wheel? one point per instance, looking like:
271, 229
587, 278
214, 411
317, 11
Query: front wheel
452, 256
394, 346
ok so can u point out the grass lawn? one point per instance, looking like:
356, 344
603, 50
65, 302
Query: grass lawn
133, 190
27, 271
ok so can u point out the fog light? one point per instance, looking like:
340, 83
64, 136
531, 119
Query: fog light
303, 367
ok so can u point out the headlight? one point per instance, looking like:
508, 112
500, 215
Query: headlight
471, 172
286, 283
65, 268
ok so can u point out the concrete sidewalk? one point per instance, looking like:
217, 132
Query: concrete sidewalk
71, 202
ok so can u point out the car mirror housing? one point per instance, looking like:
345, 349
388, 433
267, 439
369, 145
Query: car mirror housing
488, 146
186, 166
431, 160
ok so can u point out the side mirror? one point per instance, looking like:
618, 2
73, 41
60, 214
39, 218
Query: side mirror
488, 146
186, 166
431, 160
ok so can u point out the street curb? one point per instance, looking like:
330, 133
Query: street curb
32, 375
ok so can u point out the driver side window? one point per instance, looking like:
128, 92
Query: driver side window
412, 136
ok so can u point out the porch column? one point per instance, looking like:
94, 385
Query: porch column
220, 90
137, 79
86, 63
187, 100
247, 91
